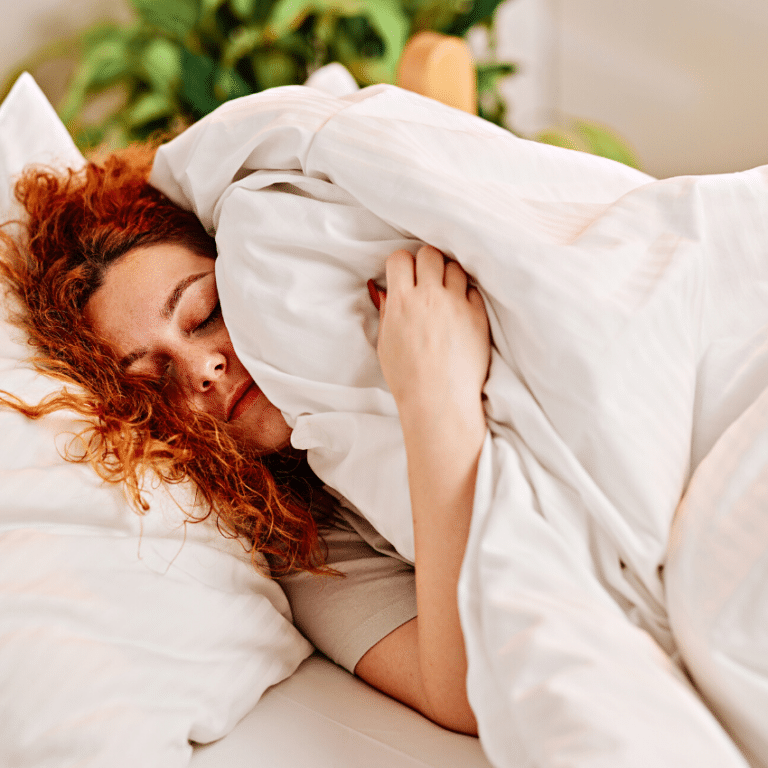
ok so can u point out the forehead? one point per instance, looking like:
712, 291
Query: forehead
129, 303
148, 266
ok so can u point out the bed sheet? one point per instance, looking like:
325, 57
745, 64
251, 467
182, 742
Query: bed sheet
325, 717
624, 313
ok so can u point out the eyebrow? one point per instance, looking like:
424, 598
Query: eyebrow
167, 312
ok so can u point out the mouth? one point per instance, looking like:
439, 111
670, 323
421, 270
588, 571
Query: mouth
245, 396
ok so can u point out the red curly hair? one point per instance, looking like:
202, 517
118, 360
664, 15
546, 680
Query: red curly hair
78, 223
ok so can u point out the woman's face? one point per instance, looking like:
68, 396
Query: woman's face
159, 309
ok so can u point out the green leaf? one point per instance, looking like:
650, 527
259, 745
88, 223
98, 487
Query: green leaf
370, 42
491, 107
208, 23
604, 142
229, 85
88, 138
116, 136
105, 62
72, 103
288, 15
197, 79
480, 10
343, 48
325, 28
345, 51
243, 9
260, 10
436, 15
566, 138
364, 39
297, 46
274, 68
210, 6
241, 44
103, 32
176, 17
147, 108
388, 19
590, 137
488, 75
161, 63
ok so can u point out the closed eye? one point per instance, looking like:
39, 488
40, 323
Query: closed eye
211, 319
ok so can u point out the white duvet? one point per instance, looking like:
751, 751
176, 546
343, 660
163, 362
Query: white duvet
629, 326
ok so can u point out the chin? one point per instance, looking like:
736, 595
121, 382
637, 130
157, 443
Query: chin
264, 432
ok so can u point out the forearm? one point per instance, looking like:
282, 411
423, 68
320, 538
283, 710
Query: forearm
443, 446
434, 349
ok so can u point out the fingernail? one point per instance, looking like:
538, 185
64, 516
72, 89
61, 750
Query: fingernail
374, 294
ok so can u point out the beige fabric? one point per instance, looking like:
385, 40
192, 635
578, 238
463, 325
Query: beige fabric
345, 617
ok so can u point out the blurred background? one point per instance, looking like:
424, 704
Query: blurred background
683, 82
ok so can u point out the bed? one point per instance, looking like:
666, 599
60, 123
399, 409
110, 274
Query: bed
105, 606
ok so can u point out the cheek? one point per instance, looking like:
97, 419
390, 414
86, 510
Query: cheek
217, 330
224, 343
173, 394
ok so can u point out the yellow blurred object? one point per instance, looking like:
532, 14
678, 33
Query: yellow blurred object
441, 67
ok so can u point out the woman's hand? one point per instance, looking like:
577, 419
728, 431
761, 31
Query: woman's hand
434, 339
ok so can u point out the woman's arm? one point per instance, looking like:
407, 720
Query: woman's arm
434, 349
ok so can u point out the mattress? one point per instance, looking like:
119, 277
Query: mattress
327, 718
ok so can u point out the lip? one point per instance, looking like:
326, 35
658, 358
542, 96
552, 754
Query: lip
244, 396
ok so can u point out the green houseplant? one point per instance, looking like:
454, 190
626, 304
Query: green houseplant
180, 59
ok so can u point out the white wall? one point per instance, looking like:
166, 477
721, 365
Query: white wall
26, 25
686, 81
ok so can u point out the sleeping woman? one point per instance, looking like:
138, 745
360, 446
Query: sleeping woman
117, 293
619, 306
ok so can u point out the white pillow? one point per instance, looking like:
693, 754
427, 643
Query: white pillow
333, 78
121, 637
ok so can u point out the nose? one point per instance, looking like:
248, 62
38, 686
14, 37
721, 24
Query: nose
204, 369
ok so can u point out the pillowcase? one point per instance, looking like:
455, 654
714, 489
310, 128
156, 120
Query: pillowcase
122, 637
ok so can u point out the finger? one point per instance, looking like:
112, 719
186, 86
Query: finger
476, 300
475, 297
400, 271
430, 265
455, 278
